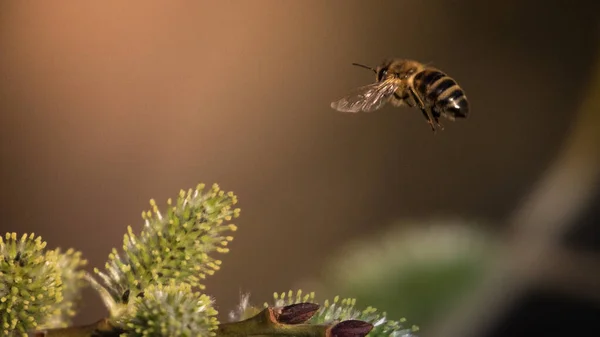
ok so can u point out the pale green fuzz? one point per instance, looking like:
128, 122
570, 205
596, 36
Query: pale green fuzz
172, 310
69, 264
344, 309
30, 286
38, 288
174, 245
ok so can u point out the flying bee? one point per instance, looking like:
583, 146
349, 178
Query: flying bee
407, 82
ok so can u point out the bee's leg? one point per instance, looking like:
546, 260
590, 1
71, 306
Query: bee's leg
427, 117
436, 116
426, 113
439, 125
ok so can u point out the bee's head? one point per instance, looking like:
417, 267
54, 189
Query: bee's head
395, 67
382, 71
398, 68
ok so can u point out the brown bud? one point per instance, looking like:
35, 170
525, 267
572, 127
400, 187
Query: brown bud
37, 334
297, 313
351, 328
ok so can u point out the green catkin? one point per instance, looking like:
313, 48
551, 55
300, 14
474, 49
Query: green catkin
340, 309
172, 310
175, 244
37, 287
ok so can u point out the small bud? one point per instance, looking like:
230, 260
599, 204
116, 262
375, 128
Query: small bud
297, 313
125, 296
351, 328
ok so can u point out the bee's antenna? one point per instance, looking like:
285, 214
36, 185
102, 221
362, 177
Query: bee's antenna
364, 66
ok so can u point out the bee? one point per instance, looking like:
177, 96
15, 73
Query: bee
411, 83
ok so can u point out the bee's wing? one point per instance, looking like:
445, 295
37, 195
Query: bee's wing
367, 98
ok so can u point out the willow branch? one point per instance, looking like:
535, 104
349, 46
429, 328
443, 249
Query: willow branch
284, 321
272, 321
101, 328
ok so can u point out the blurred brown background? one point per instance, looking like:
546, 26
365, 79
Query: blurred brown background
104, 105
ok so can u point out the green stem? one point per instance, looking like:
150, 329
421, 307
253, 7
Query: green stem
264, 323
102, 328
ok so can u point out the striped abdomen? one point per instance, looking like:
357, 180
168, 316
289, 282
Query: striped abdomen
441, 92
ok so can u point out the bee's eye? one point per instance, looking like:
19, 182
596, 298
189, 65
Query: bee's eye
382, 74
